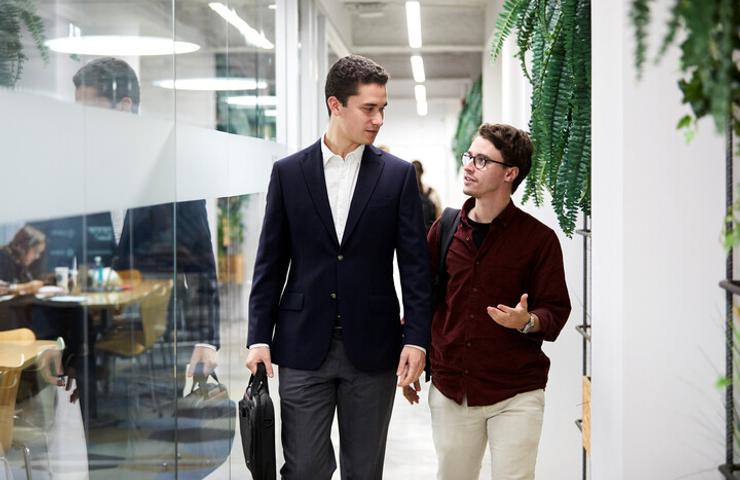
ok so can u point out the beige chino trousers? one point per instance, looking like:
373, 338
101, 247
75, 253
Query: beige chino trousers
511, 428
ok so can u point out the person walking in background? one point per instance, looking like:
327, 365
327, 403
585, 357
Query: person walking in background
502, 293
430, 204
336, 213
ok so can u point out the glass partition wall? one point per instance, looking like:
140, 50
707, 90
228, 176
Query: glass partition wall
137, 140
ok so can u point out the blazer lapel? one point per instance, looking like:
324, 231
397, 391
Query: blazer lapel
367, 178
312, 165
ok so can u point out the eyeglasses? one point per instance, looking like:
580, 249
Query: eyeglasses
480, 161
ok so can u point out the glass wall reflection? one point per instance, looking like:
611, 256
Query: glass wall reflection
146, 131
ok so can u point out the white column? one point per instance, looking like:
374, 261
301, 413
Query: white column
287, 67
657, 311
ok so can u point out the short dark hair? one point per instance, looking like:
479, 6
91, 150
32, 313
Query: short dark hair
346, 75
112, 78
514, 145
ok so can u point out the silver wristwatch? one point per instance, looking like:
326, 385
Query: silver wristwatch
529, 325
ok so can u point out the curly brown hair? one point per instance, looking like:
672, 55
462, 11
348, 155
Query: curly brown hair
514, 145
348, 73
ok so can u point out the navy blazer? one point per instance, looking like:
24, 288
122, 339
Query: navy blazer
351, 281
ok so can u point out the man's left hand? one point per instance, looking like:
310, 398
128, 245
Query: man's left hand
509, 317
207, 356
410, 366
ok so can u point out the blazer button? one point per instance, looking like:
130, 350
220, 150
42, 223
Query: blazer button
340, 257
333, 296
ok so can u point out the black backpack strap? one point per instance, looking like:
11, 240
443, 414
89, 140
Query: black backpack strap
447, 227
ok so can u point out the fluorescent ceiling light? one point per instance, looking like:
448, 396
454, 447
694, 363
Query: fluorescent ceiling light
272, 6
252, 101
252, 36
212, 84
420, 92
119, 45
413, 23
422, 108
417, 68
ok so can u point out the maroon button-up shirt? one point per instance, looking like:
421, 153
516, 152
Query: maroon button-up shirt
472, 356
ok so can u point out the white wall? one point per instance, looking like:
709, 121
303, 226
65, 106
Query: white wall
657, 210
428, 139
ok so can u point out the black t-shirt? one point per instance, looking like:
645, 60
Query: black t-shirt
480, 230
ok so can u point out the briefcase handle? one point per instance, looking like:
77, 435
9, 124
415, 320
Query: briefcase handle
200, 378
258, 381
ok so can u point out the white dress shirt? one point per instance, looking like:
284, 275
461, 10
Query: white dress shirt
341, 179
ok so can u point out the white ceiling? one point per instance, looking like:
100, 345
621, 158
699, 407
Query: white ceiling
453, 34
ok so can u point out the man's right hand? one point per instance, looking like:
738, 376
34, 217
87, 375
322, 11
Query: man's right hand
259, 355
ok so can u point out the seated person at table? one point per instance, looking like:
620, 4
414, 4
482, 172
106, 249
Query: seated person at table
17, 259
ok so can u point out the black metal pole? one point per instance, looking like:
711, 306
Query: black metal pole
585, 321
729, 330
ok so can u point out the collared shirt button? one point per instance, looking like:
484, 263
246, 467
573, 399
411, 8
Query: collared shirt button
475, 289
333, 296
340, 257
468, 344
472, 316
465, 372
477, 262
339, 317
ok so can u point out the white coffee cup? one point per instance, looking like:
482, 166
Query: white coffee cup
62, 277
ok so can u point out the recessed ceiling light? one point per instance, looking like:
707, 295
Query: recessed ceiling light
420, 92
119, 45
252, 101
417, 68
212, 84
252, 36
413, 23
422, 108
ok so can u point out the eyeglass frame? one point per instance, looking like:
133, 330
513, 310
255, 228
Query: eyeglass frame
467, 158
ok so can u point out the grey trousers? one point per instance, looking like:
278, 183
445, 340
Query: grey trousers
363, 402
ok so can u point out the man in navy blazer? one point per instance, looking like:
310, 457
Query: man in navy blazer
336, 213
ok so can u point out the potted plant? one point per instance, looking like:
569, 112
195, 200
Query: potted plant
231, 239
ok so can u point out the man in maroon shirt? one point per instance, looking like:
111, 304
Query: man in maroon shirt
505, 294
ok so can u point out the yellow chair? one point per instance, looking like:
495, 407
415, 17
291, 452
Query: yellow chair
10, 374
131, 343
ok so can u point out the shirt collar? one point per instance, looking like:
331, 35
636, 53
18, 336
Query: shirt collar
503, 218
327, 154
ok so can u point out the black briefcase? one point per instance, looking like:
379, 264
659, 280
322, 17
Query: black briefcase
257, 425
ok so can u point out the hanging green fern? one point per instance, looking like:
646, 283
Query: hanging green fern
14, 14
710, 73
558, 35
468, 122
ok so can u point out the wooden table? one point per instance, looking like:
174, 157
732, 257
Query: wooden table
107, 300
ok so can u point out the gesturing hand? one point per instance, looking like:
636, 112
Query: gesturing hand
509, 317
